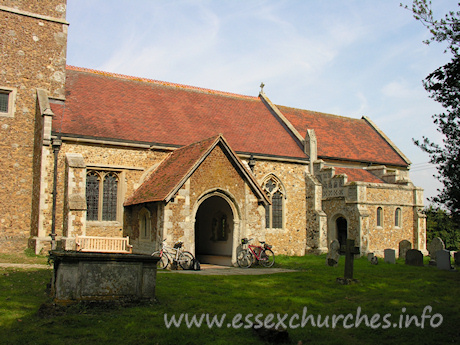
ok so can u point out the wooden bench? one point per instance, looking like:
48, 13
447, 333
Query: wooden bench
103, 244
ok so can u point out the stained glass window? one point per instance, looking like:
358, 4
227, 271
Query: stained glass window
277, 210
92, 196
274, 212
101, 196
109, 202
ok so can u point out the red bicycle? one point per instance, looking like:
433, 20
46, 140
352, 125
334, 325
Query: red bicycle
262, 254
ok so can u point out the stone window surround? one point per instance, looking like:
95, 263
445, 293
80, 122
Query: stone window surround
11, 92
379, 217
279, 187
119, 218
398, 217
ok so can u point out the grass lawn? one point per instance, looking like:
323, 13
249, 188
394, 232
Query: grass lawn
398, 290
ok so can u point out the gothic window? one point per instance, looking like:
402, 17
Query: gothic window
92, 195
101, 195
274, 212
379, 217
398, 217
109, 203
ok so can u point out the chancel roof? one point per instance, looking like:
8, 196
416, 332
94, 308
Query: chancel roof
344, 138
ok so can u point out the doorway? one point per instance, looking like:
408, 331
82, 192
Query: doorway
214, 227
342, 230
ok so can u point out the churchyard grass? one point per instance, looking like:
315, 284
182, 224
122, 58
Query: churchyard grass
26, 257
382, 289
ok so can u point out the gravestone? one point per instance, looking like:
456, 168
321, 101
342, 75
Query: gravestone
370, 256
443, 260
457, 258
435, 245
404, 246
414, 257
350, 252
333, 255
389, 256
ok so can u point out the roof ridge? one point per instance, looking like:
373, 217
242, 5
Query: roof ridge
160, 82
322, 113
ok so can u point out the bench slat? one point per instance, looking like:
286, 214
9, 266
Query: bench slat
103, 244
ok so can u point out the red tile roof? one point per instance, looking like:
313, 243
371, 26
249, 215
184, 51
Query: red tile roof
173, 171
111, 106
358, 175
169, 173
344, 138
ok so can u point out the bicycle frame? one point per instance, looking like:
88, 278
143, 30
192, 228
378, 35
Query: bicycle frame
172, 253
257, 251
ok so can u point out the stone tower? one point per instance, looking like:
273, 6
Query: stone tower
33, 39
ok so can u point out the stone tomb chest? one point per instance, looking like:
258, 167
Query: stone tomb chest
97, 276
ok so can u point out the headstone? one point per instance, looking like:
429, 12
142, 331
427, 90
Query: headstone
404, 246
389, 256
443, 260
435, 245
414, 257
457, 258
370, 256
350, 252
332, 258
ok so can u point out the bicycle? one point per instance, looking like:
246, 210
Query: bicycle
262, 254
174, 256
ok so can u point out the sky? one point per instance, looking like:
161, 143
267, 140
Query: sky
345, 57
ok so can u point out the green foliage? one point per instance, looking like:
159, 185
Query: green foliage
440, 224
443, 86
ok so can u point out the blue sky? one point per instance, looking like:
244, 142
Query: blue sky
346, 57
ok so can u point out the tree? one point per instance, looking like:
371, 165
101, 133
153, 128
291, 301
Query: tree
440, 224
443, 86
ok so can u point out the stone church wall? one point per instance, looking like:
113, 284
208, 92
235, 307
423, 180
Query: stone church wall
291, 239
389, 198
131, 165
33, 56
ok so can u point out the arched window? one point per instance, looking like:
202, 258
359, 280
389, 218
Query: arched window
144, 224
274, 212
379, 217
398, 217
109, 203
92, 195
101, 195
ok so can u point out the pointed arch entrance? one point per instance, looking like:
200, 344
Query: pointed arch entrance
215, 226
342, 230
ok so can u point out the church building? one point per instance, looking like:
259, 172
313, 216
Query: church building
93, 153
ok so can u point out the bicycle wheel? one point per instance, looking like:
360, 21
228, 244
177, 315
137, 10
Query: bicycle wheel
164, 260
244, 258
267, 258
186, 260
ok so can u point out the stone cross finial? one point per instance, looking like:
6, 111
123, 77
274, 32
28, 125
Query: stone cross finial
262, 87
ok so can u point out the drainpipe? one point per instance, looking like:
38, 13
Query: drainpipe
56, 144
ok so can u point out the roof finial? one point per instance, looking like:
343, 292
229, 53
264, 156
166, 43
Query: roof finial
262, 87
